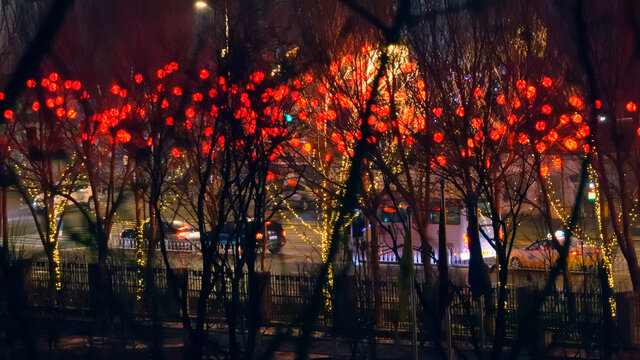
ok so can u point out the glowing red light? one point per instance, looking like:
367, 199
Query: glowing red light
123, 136
175, 152
570, 144
576, 102
546, 81
8, 114
258, 76
544, 171
577, 118
631, 106
523, 139
546, 109
531, 92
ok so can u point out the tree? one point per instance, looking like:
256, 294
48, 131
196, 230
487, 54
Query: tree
44, 166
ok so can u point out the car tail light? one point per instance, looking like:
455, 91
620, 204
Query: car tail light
284, 233
574, 253
268, 223
182, 234
283, 243
259, 236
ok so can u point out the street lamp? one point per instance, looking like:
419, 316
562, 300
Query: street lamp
201, 5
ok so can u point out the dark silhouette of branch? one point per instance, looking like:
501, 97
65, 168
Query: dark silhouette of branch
36, 50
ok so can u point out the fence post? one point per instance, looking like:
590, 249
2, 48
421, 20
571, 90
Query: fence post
266, 305
628, 318
482, 342
449, 340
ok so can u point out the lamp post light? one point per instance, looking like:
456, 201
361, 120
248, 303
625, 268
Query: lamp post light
200, 5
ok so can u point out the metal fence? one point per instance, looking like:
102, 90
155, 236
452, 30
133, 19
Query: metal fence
564, 318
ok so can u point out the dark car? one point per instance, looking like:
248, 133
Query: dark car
276, 236
175, 233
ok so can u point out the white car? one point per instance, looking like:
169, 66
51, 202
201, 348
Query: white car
81, 195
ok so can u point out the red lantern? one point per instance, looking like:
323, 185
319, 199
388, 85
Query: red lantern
123, 136
570, 144
544, 171
631, 106
546, 109
576, 102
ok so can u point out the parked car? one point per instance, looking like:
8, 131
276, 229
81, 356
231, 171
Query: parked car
543, 254
276, 236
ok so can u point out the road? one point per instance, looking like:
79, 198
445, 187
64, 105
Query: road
302, 234
301, 252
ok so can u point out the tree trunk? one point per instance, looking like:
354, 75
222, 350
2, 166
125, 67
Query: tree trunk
5, 220
197, 341
232, 315
500, 324
478, 272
